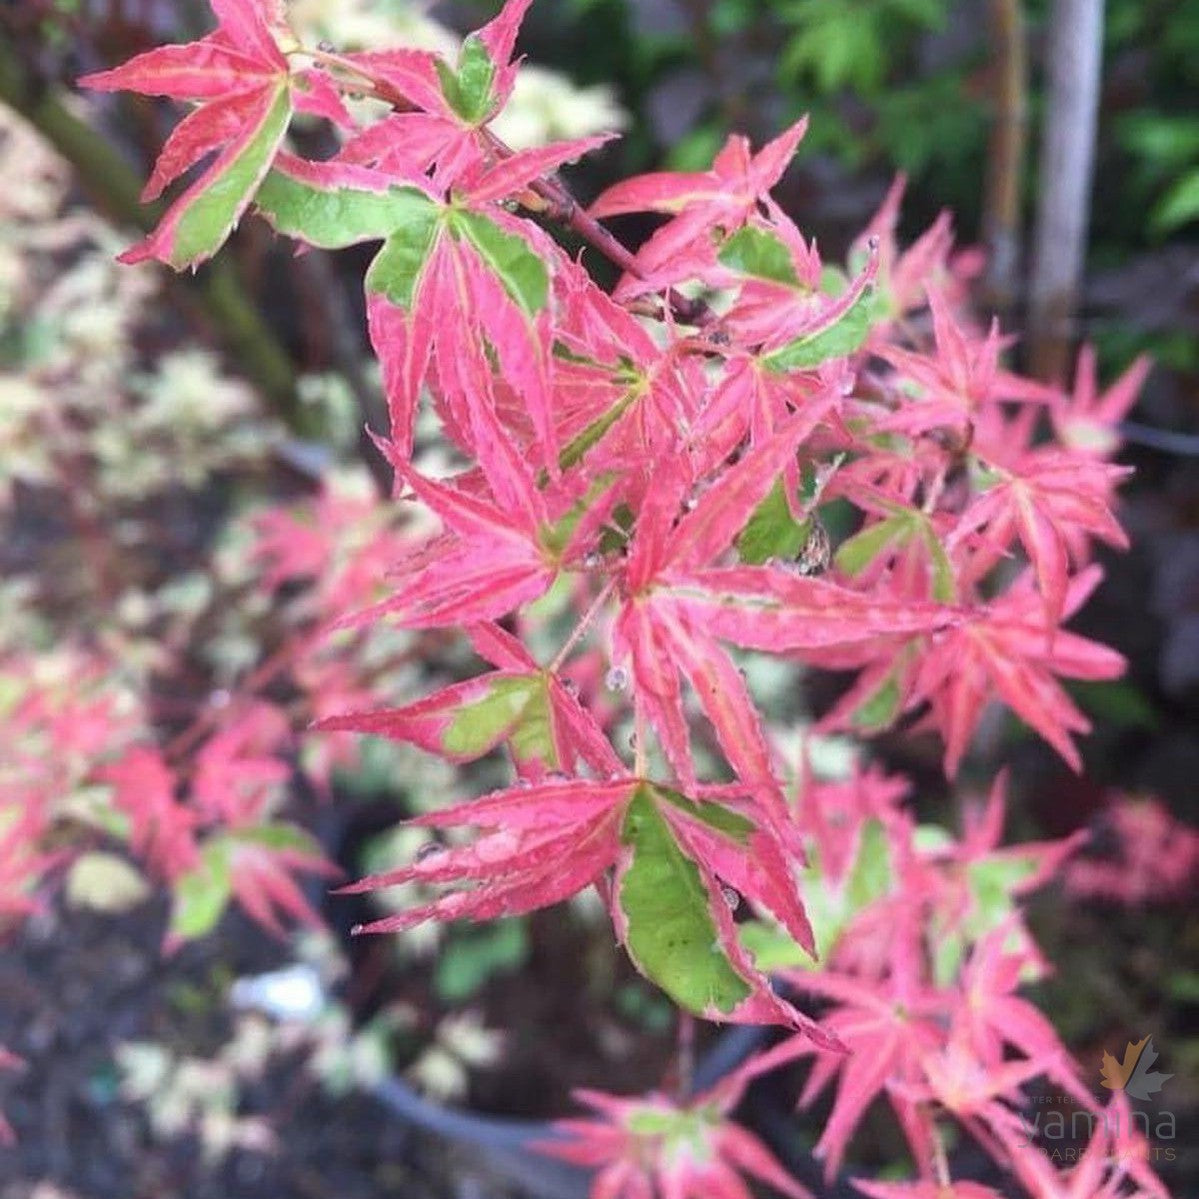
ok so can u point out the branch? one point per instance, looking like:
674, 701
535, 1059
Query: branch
115, 187
562, 207
1067, 162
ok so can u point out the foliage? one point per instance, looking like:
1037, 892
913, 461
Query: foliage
633, 505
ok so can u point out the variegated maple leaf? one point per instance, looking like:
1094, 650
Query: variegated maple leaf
654, 1148
1007, 648
670, 859
679, 604
519, 704
724, 196
163, 827
242, 83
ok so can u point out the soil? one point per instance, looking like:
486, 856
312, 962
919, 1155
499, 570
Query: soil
76, 986
563, 1024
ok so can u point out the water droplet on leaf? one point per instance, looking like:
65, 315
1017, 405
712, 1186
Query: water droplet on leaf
617, 679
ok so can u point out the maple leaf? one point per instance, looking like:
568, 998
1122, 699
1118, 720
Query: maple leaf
678, 607
441, 287
1154, 856
963, 375
650, 1145
447, 137
1048, 498
239, 769
724, 196
254, 866
1086, 421
464, 95
496, 553
241, 79
163, 828
672, 856
261, 868
1009, 645
520, 704
888, 1030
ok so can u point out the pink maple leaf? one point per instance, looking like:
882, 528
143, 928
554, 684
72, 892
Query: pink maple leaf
241, 80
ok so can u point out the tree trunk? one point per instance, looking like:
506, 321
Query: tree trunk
1067, 164
1006, 153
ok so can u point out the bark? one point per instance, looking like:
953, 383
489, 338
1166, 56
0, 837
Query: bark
1006, 153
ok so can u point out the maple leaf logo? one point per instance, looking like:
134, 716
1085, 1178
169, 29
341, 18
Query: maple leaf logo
1134, 1074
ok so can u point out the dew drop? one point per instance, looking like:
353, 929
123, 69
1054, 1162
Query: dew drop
731, 898
571, 688
592, 560
428, 850
617, 679
357, 930
326, 47
873, 241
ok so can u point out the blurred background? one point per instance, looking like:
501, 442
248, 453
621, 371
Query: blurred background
185, 494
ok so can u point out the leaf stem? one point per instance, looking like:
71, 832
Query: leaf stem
581, 628
685, 1065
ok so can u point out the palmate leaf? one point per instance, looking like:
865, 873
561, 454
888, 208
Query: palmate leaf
1008, 648
679, 608
334, 205
650, 1145
253, 866
670, 931
445, 289
724, 197
673, 857
242, 82
528, 709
